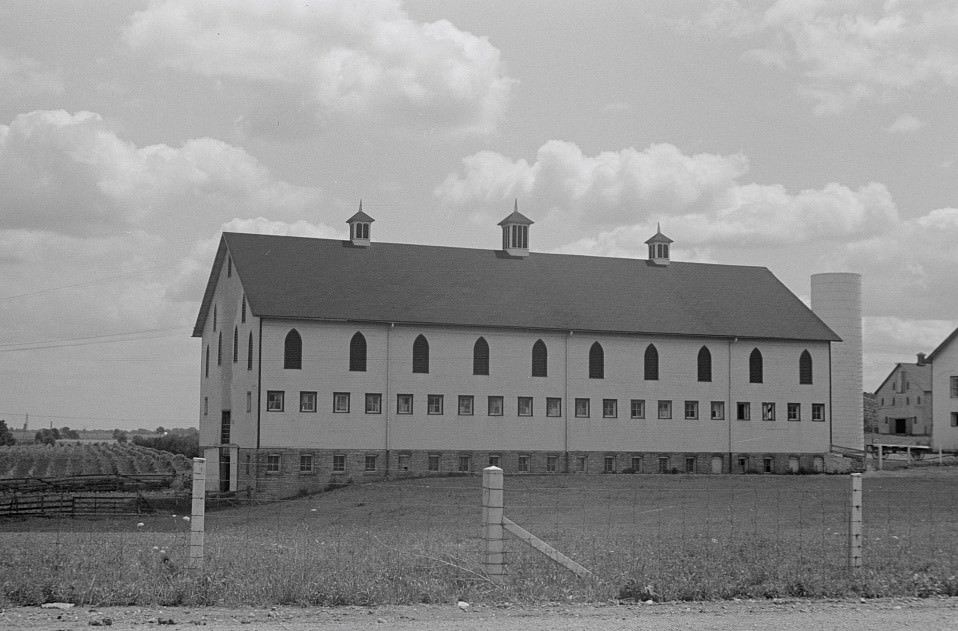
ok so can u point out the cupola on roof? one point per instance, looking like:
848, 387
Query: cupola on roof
659, 247
359, 227
515, 233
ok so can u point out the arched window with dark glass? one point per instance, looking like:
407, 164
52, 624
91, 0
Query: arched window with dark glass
651, 363
540, 359
420, 355
293, 351
206, 366
755, 366
596, 361
219, 350
480, 357
705, 364
235, 344
249, 353
805, 367
243, 309
357, 353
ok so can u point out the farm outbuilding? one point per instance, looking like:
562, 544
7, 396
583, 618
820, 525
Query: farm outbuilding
325, 361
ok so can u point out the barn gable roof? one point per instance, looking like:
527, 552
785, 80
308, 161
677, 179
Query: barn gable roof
324, 279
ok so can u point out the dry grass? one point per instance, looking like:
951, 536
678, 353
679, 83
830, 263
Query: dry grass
644, 536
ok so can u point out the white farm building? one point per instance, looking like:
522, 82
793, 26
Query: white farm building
326, 360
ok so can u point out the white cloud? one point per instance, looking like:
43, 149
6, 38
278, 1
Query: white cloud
700, 194
72, 174
849, 51
24, 76
353, 59
904, 124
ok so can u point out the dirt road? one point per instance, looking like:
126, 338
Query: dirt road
781, 615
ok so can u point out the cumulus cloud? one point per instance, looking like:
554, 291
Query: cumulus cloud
352, 59
25, 76
849, 51
904, 124
700, 194
72, 174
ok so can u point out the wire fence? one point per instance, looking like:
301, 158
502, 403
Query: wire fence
658, 537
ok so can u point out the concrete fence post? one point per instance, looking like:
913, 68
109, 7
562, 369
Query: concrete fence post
493, 560
855, 524
198, 515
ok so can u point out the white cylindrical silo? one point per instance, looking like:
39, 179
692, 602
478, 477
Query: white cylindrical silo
837, 300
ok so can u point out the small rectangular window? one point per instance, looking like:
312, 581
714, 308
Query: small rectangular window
553, 406
610, 408
432, 462
954, 419
581, 464
636, 464
249, 401
339, 463
272, 463
374, 403
370, 464
794, 411
690, 464
464, 463
434, 404
663, 464
525, 406
582, 408
524, 464
608, 465
665, 408
818, 411
552, 464
637, 408
275, 400
953, 389
307, 401
768, 411
206, 406
691, 410
306, 463
718, 410
466, 402
494, 460
767, 465
403, 404
404, 462
340, 402
495, 406
743, 411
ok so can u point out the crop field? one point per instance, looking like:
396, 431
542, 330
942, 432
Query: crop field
644, 537
64, 460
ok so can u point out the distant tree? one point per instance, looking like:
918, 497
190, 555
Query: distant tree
6, 436
870, 410
66, 432
120, 436
186, 442
47, 436
160, 430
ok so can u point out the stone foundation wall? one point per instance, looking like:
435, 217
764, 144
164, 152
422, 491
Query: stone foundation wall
283, 473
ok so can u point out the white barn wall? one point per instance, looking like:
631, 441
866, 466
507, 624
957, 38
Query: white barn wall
943, 368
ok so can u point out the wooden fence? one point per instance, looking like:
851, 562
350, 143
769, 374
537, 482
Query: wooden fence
70, 505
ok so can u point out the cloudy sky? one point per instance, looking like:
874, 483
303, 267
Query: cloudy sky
801, 135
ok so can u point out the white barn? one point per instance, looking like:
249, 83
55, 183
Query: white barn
326, 360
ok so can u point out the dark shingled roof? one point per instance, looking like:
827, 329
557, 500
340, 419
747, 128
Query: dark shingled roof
305, 278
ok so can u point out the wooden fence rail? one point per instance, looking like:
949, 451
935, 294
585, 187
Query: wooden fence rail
36, 504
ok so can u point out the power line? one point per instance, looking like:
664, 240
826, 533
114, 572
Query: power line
84, 283
126, 336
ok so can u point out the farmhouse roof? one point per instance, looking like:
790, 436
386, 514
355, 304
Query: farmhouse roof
323, 279
948, 340
919, 374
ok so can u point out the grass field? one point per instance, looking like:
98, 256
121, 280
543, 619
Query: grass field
643, 536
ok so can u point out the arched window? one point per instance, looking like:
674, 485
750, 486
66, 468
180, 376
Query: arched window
293, 351
214, 317
480, 357
219, 350
249, 353
243, 309
206, 366
540, 359
420, 355
596, 361
651, 363
705, 364
357, 353
755, 367
805, 367
235, 344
